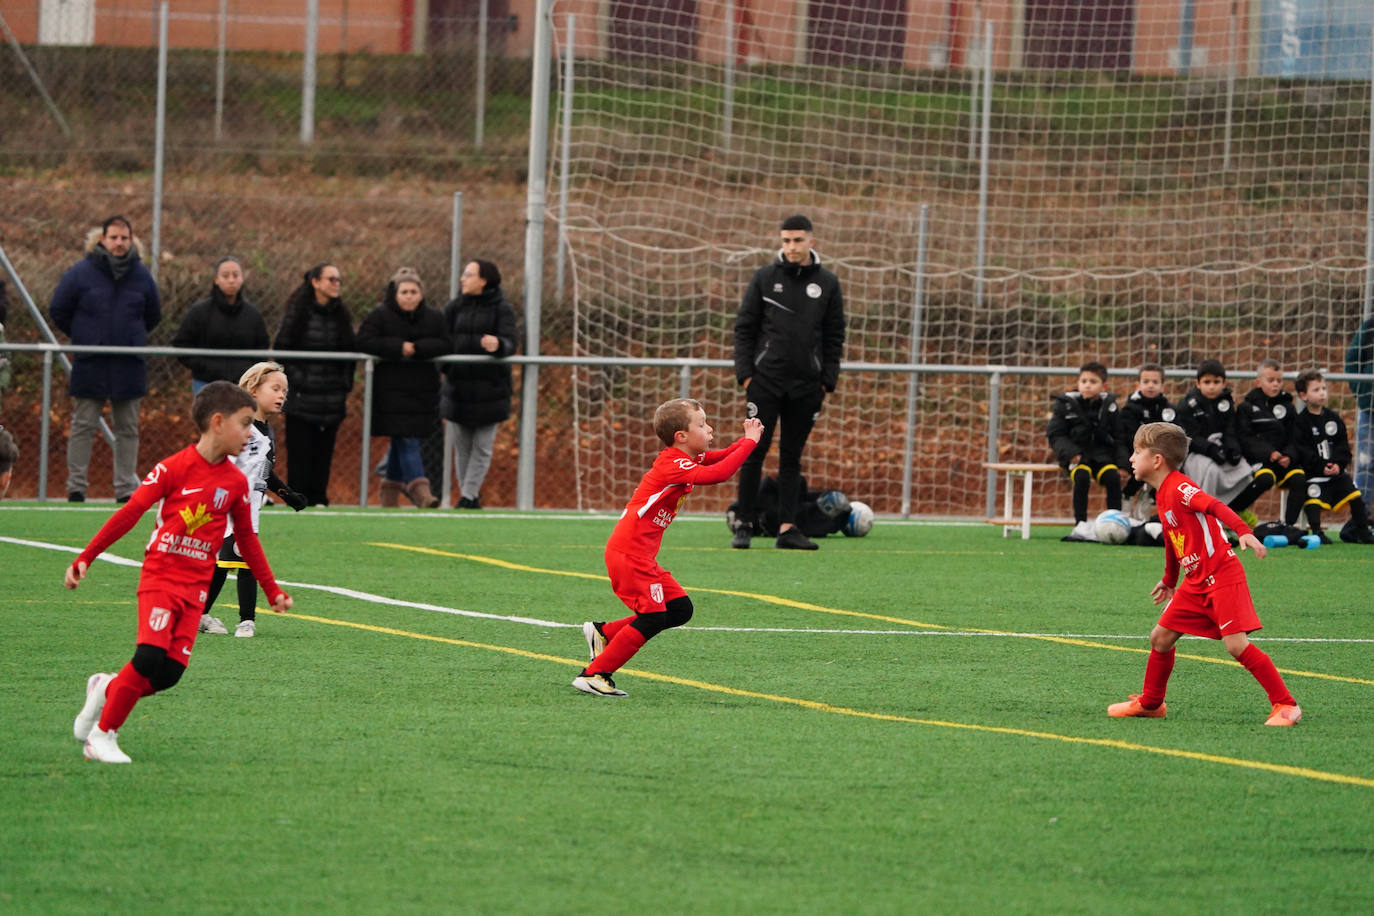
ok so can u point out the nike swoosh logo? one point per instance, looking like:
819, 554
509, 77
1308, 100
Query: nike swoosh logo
187, 491
1226, 624
185, 651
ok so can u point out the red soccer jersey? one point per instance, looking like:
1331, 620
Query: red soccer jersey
197, 499
1194, 539
659, 496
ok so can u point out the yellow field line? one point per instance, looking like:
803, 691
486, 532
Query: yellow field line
820, 609
817, 706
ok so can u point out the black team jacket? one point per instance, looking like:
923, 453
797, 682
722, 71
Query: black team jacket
789, 333
1210, 425
1264, 425
1088, 428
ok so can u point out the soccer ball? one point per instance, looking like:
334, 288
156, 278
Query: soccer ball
860, 520
1112, 527
833, 503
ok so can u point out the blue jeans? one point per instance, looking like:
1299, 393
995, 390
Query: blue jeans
403, 460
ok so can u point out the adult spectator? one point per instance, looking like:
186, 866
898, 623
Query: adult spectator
108, 298
1360, 358
9, 454
315, 319
223, 320
789, 338
407, 334
477, 395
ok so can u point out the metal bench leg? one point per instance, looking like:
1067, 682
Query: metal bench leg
1026, 507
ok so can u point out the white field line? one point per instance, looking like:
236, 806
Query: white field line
372, 598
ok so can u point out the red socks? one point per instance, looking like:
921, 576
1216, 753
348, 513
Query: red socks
1157, 670
127, 688
619, 650
613, 627
1260, 665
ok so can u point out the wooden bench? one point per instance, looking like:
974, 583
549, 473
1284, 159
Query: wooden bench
1027, 472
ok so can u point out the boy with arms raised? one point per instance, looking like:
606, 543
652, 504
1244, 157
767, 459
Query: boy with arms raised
1264, 426
1323, 450
1084, 432
197, 491
646, 588
1213, 598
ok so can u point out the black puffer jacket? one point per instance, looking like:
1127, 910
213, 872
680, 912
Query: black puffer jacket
319, 388
216, 323
478, 394
1090, 429
405, 390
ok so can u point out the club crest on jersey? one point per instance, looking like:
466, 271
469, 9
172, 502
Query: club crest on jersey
1223, 406
813, 290
1330, 427
158, 618
777, 287
1169, 517
194, 519
1314, 490
1167, 415
656, 593
1280, 411
221, 498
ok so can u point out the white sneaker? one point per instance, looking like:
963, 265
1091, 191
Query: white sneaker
95, 702
246, 628
596, 640
598, 685
212, 625
103, 747
1085, 531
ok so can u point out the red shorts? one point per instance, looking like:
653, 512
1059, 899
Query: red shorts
1213, 611
644, 586
170, 622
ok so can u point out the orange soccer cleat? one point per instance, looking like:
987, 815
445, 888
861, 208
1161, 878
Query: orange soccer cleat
1132, 707
1283, 714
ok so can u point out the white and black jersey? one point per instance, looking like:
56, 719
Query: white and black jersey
255, 461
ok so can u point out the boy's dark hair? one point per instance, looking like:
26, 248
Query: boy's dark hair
796, 223
1095, 368
1268, 363
219, 397
1211, 367
1167, 439
115, 220
1150, 367
1305, 378
9, 452
674, 416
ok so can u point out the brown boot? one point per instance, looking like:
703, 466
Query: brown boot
391, 493
420, 494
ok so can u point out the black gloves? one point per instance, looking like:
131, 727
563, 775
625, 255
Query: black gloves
293, 498
1232, 455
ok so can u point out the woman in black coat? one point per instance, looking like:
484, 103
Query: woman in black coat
407, 334
477, 395
315, 319
224, 320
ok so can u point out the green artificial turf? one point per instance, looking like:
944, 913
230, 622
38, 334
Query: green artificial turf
846, 731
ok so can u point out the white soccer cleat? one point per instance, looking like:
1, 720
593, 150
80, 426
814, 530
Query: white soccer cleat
246, 629
95, 703
596, 640
103, 747
598, 685
212, 625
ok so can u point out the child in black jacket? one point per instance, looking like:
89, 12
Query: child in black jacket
1084, 431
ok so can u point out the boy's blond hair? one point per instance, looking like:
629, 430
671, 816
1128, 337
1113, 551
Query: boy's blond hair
673, 417
1165, 439
254, 374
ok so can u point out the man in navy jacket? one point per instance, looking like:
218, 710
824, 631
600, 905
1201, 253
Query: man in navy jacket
107, 298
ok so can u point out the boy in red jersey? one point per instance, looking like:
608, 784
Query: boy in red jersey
1213, 599
648, 589
198, 490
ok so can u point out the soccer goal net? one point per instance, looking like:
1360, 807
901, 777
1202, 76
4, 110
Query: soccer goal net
1122, 180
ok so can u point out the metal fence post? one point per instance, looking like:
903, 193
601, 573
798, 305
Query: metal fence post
160, 137
565, 154
221, 39
312, 28
994, 430
914, 356
365, 446
480, 103
44, 433
455, 268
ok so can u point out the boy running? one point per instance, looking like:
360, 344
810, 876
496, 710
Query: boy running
1213, 600
648, 589
199, 490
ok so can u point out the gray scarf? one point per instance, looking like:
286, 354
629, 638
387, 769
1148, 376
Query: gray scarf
118, 266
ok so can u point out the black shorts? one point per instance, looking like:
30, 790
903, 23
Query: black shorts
1330, 492
1291, 476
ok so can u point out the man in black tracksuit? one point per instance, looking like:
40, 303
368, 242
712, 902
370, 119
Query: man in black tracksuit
789, 338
